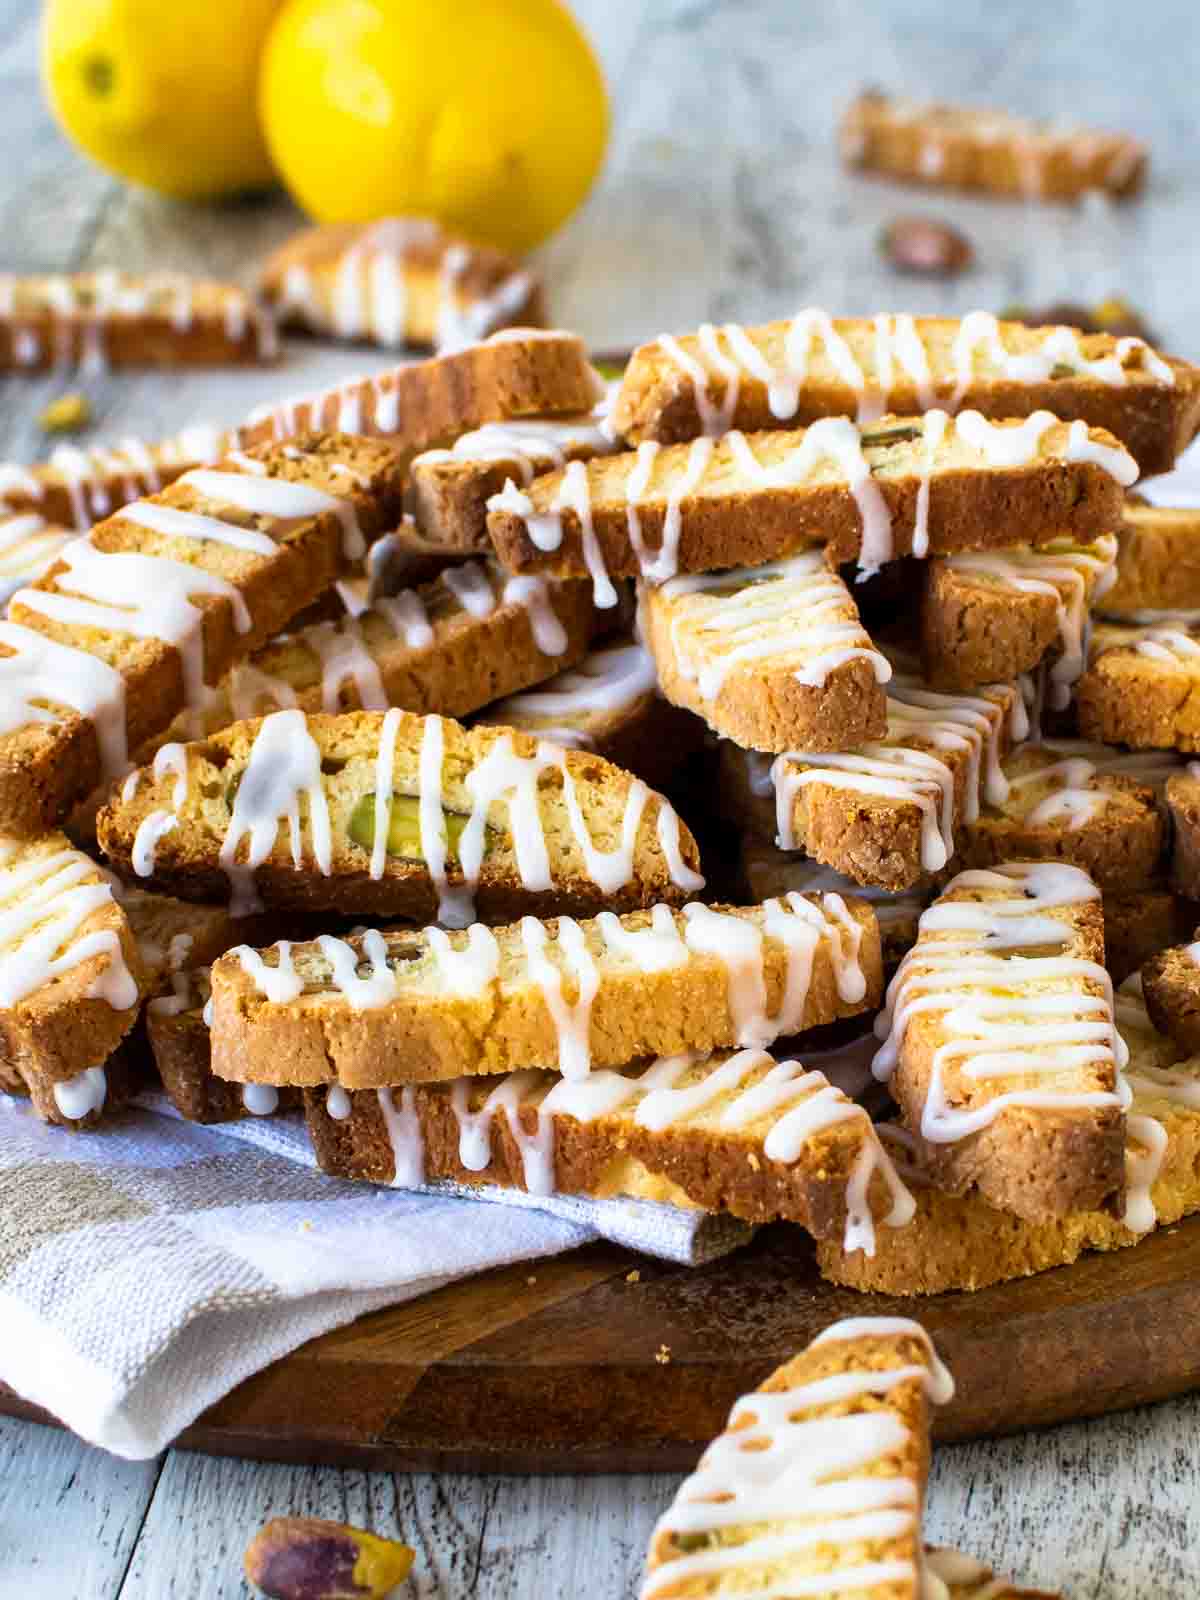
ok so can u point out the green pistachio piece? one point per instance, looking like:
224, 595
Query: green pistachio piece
404, 827
1060, 369
888, 436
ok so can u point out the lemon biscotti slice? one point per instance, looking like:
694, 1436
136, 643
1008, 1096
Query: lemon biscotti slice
737, 1133
399, 281
402, 1007
136, 620
930, 484
1158, 560
1142, 683
97, 320
817, 1485
1001, 1047
774, 657
29, 547
397, 815
789, 374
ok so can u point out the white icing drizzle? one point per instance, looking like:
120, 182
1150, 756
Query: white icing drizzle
345, 658
278, 498
281, 983
403, 1127
536, 597
79, 1096
529, 444
1072, 800
260, 1099
471, 586
385, 760
284, 763
603, 683
406, 615
571, 1018
254, 693
790, 1452
29, 547
145, 841
40, 670
338, 1104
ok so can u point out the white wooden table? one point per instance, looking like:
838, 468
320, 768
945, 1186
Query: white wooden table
721, 199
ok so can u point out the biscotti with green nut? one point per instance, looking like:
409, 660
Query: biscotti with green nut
1158, 560
971, 147
98, 320
866, 493
402, 816
420, 1006
737, 1133
398, 281
71, 979
792, 373
1142, 683
609, 703
449, 489
1001, 1049
774, 657
517, 373
135, 621
989, 616
845, 1426
960, 1242
1086, 804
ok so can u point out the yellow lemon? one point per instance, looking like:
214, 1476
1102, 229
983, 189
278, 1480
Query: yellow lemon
162, 91
489, 115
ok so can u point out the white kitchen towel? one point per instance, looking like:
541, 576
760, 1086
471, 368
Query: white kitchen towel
148, 1267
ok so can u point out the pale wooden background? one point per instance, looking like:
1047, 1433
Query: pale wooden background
721, 198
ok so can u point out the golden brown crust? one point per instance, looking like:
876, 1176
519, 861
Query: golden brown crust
306, 276
1142, 686
960, 147
1171, 989
1158, 560
1138, 924
1154, 418
45, 767
1183, 807
117, 320
187, 859
431, 402
731, 519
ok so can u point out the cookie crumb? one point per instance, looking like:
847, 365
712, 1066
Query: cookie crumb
67, 414
663, 1354
633, 1277
531, 1281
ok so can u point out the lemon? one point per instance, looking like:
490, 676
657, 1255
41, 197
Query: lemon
162, 91
489, 115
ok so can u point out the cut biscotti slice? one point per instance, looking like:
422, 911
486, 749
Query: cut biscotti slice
609, 703
1183, 807
1158, 561
516, 373
399, 281
817, 1485
738, 1133
1139, 924
969, 147
411, 1007
959, 1242
1142, 684
77, 486
97, 320
1001, 1047
71, 977
1171, 986
450, 489
889, 812
989, 615
930, 484
774, 657
29, 547
397, 815
136, 620
768, 871
1073, 801
791, 373
963, 1578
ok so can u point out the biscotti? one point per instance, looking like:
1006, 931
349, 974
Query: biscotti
71, 977
449, 489
29, 547
963, 1578
887, 813
988, 616
817, 1485
77, 486
98, 320
792, 373
561, 995
963, 147
135, 621
1138, 924
1183, 807
737, 1133
774, 657
1001, 1047
518, 373
399, 281
960, 1242
1142, 684
609, 703
1171, 986
1078, 802
402, 816
926, 485
1158, 561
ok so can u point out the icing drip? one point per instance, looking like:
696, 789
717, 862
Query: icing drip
284, 763
604, 682
337, 1103
535, 597
530, 444
79, 1096
403, 1128
39, 670
260, 1099
281, 983
471, 586
345, 658
571, 1018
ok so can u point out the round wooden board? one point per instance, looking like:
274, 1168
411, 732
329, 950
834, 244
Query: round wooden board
604, 1361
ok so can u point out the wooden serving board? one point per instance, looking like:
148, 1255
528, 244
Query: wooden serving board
603, 1361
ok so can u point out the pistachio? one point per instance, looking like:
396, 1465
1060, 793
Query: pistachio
926, 246
1062, 369
307, 1558
887, 436
232, 787
67, 414
404, 827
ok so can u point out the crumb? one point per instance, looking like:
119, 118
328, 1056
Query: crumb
67, 414
531, 1281
306, 1226
753, 1161
633, 1277
663, 1354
